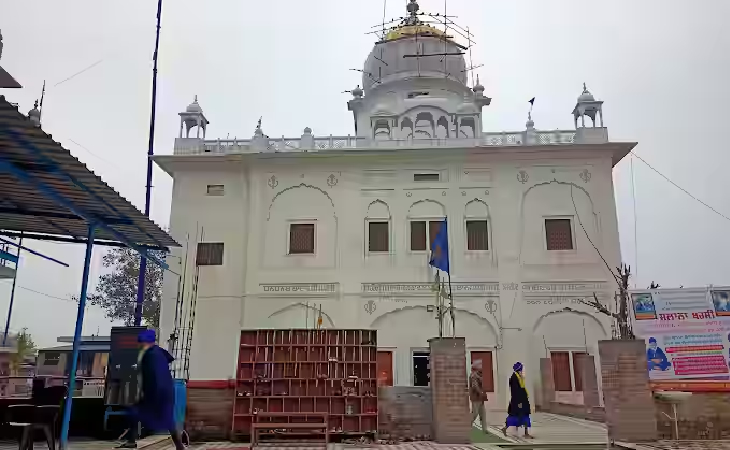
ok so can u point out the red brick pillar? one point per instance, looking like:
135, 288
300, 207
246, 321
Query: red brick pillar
630, 407
451, 416
548, 383
591, 394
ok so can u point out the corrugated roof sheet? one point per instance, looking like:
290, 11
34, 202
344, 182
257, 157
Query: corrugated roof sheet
23, 209
7, 80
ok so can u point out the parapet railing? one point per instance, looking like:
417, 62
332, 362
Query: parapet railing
316, 144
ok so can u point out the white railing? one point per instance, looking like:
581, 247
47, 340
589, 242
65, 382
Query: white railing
316, 144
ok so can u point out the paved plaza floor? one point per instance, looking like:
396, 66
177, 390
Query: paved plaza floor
550, 429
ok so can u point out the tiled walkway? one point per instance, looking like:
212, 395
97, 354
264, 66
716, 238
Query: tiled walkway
551, 429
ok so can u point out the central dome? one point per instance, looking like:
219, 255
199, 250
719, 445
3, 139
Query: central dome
414, 49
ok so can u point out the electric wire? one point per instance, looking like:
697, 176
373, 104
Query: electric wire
681, 188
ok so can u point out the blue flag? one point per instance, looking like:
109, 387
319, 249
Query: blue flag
440, 249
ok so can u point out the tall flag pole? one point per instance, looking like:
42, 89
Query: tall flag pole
43, 94
440, 261
150, 152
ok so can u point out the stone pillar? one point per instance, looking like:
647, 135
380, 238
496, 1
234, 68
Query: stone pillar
591, 393
451, 415
548, 383
630, 407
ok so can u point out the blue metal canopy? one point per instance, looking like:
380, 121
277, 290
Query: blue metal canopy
47, 193
45, 190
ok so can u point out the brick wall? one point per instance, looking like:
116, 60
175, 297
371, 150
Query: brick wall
629, 404
705, 415
405, 412
450, 396
548, 384
209, 412
591, 393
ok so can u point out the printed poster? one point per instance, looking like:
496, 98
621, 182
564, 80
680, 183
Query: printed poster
687, 332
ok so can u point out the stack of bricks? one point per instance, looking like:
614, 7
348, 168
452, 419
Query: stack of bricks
451, 416
630, 408
405, 413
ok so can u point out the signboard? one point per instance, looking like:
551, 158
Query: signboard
687, 332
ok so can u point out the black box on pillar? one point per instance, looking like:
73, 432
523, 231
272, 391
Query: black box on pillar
121, 375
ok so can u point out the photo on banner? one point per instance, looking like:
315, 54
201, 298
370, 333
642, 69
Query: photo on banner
686, 331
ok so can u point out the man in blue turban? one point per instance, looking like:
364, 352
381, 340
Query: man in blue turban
155, 407
655, 357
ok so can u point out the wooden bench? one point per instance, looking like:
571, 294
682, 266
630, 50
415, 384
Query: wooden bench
284, 421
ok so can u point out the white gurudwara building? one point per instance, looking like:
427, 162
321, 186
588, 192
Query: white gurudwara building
276, 229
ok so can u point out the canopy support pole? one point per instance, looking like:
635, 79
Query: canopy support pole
12, 292
77, 339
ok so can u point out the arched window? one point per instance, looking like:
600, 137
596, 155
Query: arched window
381, 130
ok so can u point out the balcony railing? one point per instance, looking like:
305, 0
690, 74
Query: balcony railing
319, 144
21, 386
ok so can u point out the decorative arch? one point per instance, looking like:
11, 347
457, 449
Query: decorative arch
584, 314
424, 116
468, 122
442, 122
571, 185
300, 186
474, 202
375, 206
494, 329
406, 122
426, 202
326, 319
381, 129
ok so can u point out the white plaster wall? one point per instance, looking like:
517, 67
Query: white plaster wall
340, 193
196, 217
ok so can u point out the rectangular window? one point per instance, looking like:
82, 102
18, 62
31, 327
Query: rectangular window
561, 371
418, 235
420, 240
487, 370
378, 236
209, 254
215, 190
421, 368
301, 239
558, 234
477, 236
420, 177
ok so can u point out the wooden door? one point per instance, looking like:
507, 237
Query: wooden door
385, 368
487, 369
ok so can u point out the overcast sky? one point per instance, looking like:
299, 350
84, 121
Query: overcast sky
661, 66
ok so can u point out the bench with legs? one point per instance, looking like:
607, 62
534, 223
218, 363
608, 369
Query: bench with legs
292, 423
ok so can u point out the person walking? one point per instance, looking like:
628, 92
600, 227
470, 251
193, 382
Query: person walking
518, 411
155, 407
477, 395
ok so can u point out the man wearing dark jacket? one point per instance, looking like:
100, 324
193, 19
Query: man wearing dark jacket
155, 407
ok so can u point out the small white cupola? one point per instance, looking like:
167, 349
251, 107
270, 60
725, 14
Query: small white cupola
587, 105
191, 118
34, 115
530, 124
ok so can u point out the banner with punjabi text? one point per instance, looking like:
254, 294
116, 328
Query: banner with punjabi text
687, 332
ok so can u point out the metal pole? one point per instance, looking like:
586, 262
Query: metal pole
77, 339
12, 291
451, 307
150, 153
